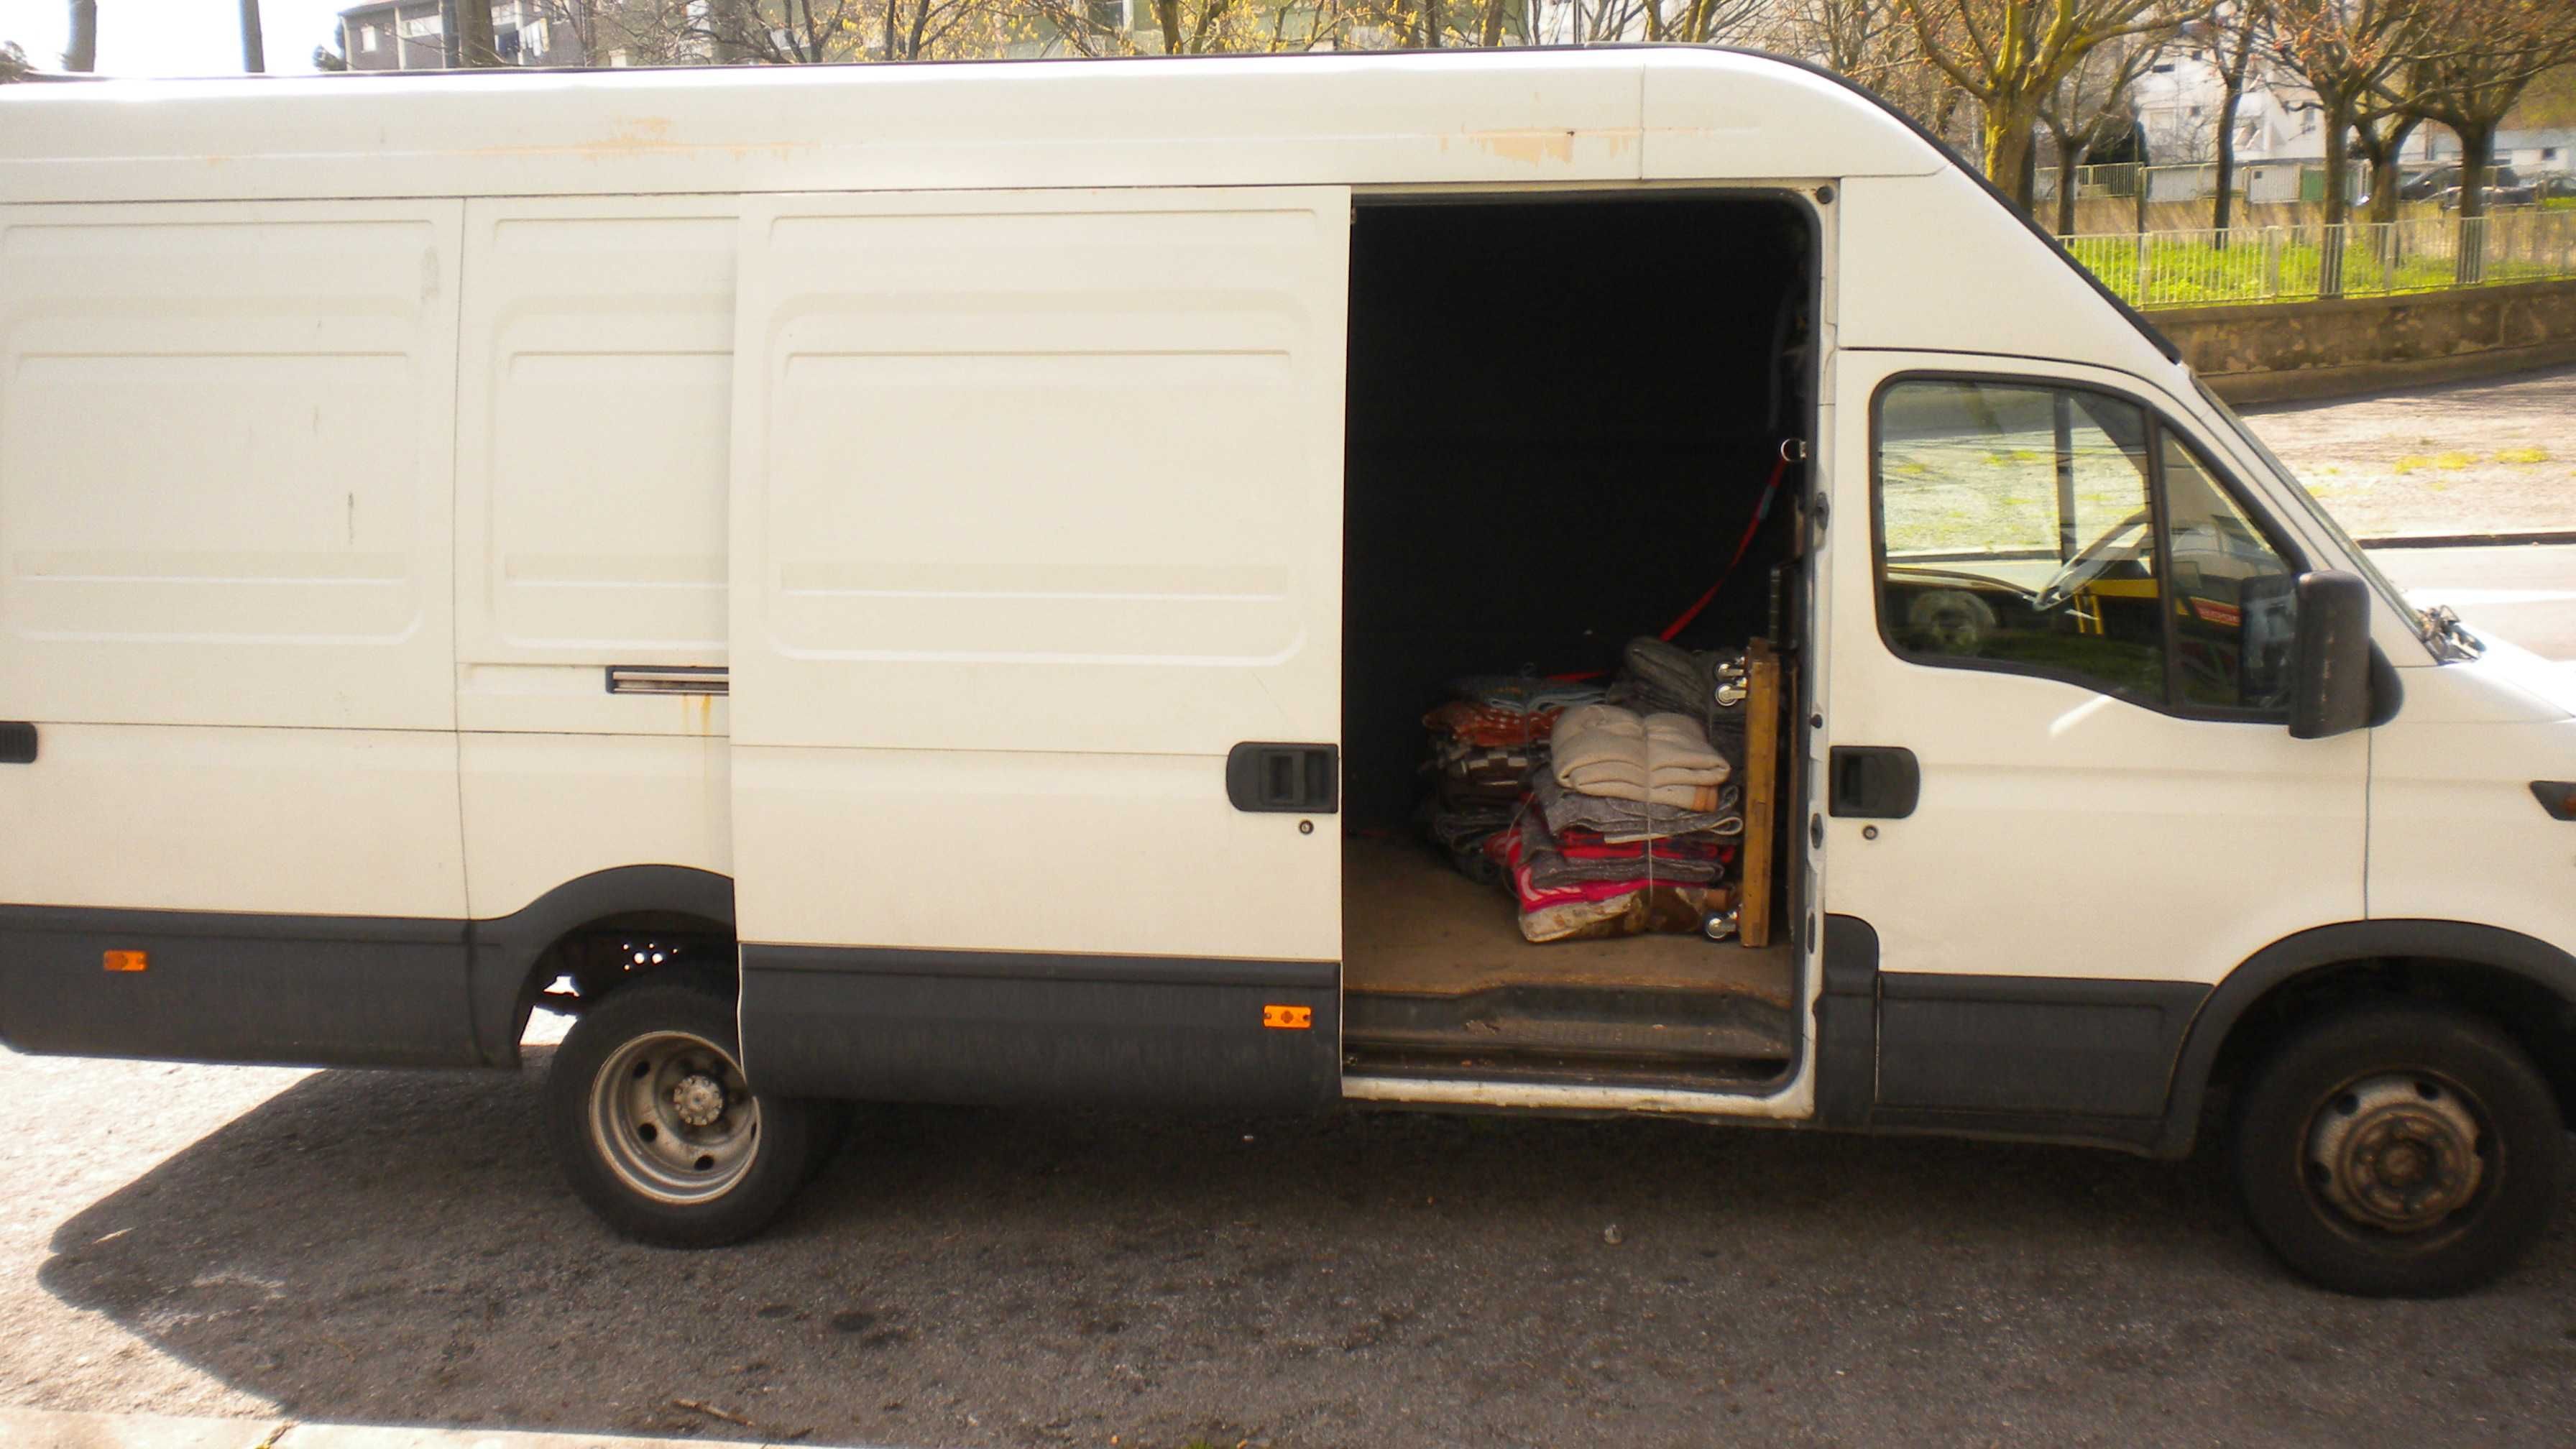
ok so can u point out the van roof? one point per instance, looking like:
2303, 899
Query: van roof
1600, 115
1440, 118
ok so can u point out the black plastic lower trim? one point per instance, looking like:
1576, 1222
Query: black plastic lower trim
2045, 1047
1847, 1024
993, 1027
223, 987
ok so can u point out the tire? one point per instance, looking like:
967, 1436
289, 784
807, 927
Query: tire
2399, 1150
655, 1128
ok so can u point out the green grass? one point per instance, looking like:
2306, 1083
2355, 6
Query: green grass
2191, 274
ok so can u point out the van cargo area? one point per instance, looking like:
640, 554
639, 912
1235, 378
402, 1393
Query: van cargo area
1565, 428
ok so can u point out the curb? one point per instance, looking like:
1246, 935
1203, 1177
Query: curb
2535, 538
47, 1429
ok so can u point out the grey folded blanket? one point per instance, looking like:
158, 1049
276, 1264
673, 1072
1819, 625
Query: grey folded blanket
1623, 821
1659, 678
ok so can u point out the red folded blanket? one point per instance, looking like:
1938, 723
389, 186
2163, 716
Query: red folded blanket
1491, 725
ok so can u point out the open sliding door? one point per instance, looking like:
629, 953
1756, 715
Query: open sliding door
1036, 518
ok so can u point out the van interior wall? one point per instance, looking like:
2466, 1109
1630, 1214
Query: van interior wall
1561, 418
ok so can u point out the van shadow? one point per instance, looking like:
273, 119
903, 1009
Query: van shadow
397, 1247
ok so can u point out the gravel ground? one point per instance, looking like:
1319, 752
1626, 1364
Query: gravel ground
395, 1247
2496, 456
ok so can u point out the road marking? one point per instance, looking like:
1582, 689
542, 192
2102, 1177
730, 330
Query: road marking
2436, 594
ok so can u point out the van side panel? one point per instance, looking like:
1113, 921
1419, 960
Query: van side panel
594, 412
225, 608
225, 443
1037, 515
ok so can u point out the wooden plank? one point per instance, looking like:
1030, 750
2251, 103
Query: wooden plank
1792, 795
1761, 790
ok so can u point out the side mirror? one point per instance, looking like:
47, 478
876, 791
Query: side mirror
2330, 660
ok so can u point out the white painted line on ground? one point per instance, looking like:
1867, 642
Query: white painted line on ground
2436, 594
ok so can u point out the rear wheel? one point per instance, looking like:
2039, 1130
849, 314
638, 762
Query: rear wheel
2399, 1150
656, 1127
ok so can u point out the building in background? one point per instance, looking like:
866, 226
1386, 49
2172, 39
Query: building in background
2546, 151
412, 35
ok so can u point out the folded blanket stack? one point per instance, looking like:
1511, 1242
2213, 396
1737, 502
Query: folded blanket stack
1576, 908
1630, 825
1487, 741
1660, 678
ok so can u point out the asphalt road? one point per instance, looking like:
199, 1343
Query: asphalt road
2525, 592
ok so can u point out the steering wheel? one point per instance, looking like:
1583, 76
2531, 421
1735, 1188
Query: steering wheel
2090, 563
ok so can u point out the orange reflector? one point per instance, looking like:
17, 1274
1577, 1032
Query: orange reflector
1288, 1018
127, 960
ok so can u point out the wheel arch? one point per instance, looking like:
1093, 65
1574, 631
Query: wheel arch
2527, 986
508, 955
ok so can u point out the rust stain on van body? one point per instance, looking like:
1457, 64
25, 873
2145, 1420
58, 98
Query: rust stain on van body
1541, 147
641, 136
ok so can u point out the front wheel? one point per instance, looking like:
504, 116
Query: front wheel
658, 1131
2399, 1150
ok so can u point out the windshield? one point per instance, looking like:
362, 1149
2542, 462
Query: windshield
2362, 563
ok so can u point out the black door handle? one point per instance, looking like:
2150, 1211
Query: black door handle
17, 743
1872, 782
1299, 779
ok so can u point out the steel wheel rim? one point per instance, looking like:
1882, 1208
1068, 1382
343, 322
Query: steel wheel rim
2399, 1155
672, 1116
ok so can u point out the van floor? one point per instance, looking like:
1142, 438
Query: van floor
1437, 981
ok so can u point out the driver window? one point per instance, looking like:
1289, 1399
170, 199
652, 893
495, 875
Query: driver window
2016, 532
2235, 599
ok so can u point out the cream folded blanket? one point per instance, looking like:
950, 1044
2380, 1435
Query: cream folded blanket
1659, 759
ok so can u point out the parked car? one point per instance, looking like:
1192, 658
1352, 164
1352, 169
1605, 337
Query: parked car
2505, 187
2425, 185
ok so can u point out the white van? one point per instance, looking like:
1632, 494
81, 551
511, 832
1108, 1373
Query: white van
923, 583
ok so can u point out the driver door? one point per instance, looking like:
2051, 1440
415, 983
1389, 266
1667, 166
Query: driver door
2069, 637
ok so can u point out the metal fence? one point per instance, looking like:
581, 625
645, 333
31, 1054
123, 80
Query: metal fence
2355, 259
2274, 182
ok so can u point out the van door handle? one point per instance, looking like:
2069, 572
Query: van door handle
1872, 782
1284, 779
666, 679
17, 743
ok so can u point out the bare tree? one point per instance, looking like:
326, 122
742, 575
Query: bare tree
1700, 22
2380, 128
2095, 103
80, 51
758, 32
1853, 38
469, 33
254, 43
588, 27
2504, 45
2233, 31
2010, 56
13, 62
2345, 51
1206, 27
